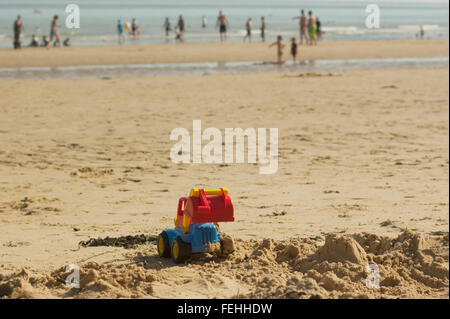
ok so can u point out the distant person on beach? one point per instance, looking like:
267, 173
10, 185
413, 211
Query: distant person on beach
181, 26
312, 28
18, 28
167, 27
204, 22
120, 32
134, 29
248, 28
263, 29
280, 47
421, 32
54, 33
45, 41
294, 49
319, 29
34, 41
303, 22
222, 23
67, 43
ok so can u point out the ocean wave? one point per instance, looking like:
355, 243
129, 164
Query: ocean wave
347, 29
426, 27
406, 29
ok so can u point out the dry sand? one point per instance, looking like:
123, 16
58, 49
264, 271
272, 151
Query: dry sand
363, 155
216, 52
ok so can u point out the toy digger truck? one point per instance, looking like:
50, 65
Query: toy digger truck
196, 229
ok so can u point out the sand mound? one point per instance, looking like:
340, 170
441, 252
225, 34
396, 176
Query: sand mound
342, 249
410, 266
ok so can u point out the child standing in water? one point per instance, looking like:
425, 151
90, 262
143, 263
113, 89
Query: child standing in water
135, 29
294, 49
168, 27
248, 27
120, 32
280, 47
263, 29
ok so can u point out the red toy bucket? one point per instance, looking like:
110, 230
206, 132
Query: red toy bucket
209, 206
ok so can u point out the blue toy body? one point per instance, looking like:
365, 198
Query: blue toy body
200, 234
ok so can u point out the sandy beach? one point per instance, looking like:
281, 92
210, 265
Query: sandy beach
216, 52
362, 178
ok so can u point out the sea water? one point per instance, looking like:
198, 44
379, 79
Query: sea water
341, 20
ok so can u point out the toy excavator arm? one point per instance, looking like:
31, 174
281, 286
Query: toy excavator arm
195, 192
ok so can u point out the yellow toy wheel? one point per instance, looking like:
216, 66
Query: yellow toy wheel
163, 245
181, 251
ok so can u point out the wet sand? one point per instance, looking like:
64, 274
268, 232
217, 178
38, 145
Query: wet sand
212, 68
216, 52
